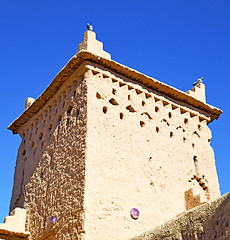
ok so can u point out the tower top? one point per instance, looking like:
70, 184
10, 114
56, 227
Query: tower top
91, 44
198, 91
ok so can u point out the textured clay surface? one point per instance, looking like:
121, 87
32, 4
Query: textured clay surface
207, 222
144, 150
104, 144
50, 170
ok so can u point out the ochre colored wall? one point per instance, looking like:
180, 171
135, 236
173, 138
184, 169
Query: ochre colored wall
144, 150
104, 144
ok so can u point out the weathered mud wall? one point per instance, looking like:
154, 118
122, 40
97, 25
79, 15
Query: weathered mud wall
50, 171
144, 150
207, 222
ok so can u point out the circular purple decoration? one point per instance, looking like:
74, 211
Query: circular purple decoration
52, 219
134, 213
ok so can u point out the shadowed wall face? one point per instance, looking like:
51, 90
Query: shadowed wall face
50, 170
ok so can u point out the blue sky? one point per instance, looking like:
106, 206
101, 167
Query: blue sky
175, 42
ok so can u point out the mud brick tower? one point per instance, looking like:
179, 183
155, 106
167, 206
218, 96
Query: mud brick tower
103, 139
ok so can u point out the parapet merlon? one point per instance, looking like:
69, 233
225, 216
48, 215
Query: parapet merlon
91, 44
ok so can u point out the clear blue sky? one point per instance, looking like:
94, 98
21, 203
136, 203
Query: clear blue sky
173, 41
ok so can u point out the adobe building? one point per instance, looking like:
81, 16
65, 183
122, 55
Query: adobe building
103, 139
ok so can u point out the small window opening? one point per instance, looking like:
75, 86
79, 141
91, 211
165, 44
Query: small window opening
121, 115
192, 115
114, 91
130, 87
185, 121
184, 139
130, 108
67, 122
138, 91
199, 127
143, 103
94, 72
170, 115
121, 84
193, 145
165, 103
157, 129
156, 109
182, 111
195, 163
69, 109
171, 134
98, 95
147, 114
77, 113
105, 109
105, 76
147, 95
113, 101
59, 118
164, 120
40, 136
58, 130
142, 124
195, 132
129, 97
201, 119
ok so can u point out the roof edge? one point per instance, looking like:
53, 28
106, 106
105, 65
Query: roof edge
84, 55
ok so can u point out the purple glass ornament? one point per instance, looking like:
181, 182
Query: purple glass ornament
52, 219
134, 213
